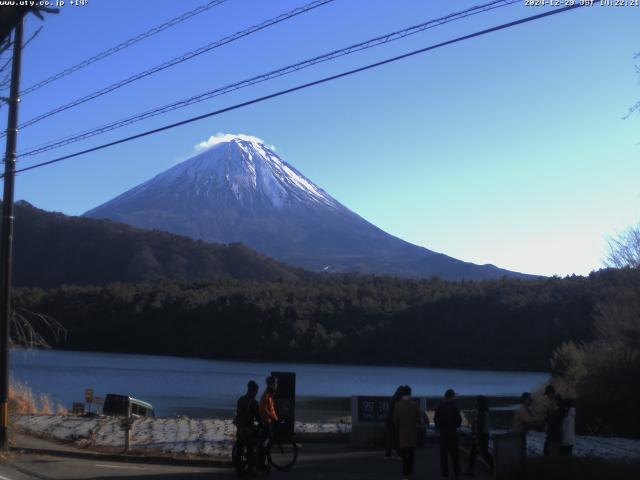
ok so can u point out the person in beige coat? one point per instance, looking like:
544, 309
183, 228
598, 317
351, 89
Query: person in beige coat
524, 419
406, 417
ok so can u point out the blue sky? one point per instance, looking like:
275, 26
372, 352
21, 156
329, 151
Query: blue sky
507, 149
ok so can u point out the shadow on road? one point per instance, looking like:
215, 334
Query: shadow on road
316, 462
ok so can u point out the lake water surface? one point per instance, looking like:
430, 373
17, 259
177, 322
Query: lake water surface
194, 387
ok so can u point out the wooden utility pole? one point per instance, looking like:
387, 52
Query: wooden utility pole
6, 242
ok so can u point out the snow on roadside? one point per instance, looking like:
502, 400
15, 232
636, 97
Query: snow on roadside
210, 437
323, 428
586, 446
213, 437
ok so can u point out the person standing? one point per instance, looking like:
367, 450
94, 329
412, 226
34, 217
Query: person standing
568, 427
524, 419
480, 432
549, 408
268, 418
406, 417
555, 417
267, 408
247, 416
247, 410
389, 425
447, 420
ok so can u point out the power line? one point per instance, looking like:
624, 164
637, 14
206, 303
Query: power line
303, 86
123, 45
269, 75
178, 60
27, 42
6, 81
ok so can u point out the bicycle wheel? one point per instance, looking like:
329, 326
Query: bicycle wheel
282, 455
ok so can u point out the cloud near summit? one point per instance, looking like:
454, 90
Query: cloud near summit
226, 137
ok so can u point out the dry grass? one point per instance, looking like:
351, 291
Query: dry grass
22, 401
45, 404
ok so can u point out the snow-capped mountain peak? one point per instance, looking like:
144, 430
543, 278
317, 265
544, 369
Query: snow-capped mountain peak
277, 179
238, 189
237, 168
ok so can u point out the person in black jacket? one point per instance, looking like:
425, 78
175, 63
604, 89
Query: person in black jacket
247, 412
480, 432
390, 429
549, 407
448, 420
555, 418
246, 419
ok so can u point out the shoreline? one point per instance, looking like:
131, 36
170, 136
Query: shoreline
205, 388
292, 361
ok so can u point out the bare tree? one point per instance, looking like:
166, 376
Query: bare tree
33, 330
624, 251
636, 107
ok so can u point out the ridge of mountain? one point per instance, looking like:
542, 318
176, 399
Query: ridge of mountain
240, 190
53, 249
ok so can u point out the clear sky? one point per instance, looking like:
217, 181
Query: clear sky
507, 149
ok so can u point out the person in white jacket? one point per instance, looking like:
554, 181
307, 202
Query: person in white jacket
568, 427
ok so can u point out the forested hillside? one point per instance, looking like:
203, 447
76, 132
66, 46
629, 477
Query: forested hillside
53, 249
501, 324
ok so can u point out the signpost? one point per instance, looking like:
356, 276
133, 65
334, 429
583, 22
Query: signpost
88, 397
368, 415
98, 402
78, 408
126, 425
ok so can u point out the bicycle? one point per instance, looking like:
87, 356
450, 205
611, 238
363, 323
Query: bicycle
280, 454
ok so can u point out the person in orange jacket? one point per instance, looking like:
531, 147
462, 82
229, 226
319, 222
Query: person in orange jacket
268, 416
268, 413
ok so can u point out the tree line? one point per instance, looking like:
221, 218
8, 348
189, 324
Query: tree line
507, 324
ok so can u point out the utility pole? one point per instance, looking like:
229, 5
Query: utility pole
6, 242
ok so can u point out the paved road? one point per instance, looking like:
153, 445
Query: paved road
316, 462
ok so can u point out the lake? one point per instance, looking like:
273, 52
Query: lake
201, 388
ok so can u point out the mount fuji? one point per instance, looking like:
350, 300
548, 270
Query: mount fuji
240, 190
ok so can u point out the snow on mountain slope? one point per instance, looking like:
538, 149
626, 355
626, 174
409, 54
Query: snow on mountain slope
247, 169
240, 190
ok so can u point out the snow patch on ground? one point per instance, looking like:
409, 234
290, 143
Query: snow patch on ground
213, 437
323, 428
210, 437
586, 446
